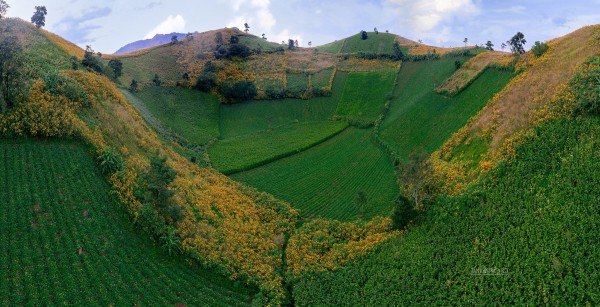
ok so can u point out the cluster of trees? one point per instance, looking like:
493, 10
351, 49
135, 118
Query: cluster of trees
235, 49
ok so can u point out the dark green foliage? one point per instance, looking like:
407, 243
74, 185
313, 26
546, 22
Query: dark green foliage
404, 212
207, 78
234, 39
39, 16
133, 86
238, 50
398, 52
587, 88
237, 91
74, 62
457, 64
10, 71
171, 241
110, 161
517, 43
539, 48
3, 8
57, 84
151, 222
156, 80
92, 62
117, 67
363, 35
157, 180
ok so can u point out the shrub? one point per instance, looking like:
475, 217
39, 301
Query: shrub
156, 80
403, 213
539, 48
110, 161
457, 64
151, 222
92, 62
238, 91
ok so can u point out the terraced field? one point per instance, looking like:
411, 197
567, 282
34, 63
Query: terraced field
421, 119
248, 151
365, 94
192, 115
64, 242
325, 180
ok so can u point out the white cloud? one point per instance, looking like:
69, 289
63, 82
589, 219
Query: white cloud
253, 10
424, 16
169, 25
238, 22
265, 19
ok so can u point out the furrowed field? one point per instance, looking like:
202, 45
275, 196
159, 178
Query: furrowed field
192, 115
421, 119
64, 242
248, 151
353, 163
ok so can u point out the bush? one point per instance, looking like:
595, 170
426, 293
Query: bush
57, 84
238, 91
110, 161
457, 64
92, 62
150, 221
539, 48
156, 80
403, 213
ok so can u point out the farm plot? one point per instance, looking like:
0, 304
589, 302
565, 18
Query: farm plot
325, 180
248, 151
192, 115
365, 94
64, 242
419, 118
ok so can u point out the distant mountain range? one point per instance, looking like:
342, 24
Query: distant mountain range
158, 39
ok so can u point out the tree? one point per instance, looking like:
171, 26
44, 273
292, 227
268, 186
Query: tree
174, 40
309, 44
489, 46
90, 61
39, 16
247, 27
296, 43
466, 41
415, 176
133, 86
517, 43
3, 8
10, 71
457, 64
539, 48
363, 35
291, 44
503, 46
264, 37
156, 80
234, 39
117, 67
398, 51
375, 30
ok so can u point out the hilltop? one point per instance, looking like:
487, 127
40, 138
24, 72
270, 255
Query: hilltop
240, 171
158, 39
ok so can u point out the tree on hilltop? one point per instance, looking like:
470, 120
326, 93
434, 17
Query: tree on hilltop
247, 27
291, 44
466, 41
489, 46
363, 35
517, 45
3, 8
39, 16
174, 40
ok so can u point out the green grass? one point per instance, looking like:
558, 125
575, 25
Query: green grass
421, 119
536, 222
375, 43
158, 60
254, 116
321, 79
63, 240
254, 42
365, 94
248, 151
190, 114
333, 47
325, 179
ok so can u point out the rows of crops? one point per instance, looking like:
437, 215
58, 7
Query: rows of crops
64, 242
248, 151
529, 238
365, 94
421, 119
192, 115
325, 180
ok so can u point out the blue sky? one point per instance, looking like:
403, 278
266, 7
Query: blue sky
110, 24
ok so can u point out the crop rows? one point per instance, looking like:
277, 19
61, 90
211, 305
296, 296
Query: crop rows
324, 180
63, 241
365, 94
321, 79
248, 151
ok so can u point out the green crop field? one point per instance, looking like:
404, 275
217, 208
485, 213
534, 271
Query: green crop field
254, 116
375, 43
421, 119
63, 241
528, 237
297, 84
325, 179
365, 94
248, 151
321, 79
190, 114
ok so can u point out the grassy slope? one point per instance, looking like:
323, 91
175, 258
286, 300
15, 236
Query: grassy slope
142, 65
255, 116
334, 47
365, 94
248, 151
62, 241
325, 179
375, 43
192, 115
537, 221
420, 118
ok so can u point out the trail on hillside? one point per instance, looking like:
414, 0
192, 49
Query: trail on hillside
158, 126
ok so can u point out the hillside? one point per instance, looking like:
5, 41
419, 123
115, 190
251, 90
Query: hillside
233, 171
158, 39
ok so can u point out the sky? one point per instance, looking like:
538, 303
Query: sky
110, 24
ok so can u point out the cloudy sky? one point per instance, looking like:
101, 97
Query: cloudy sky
108, 25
